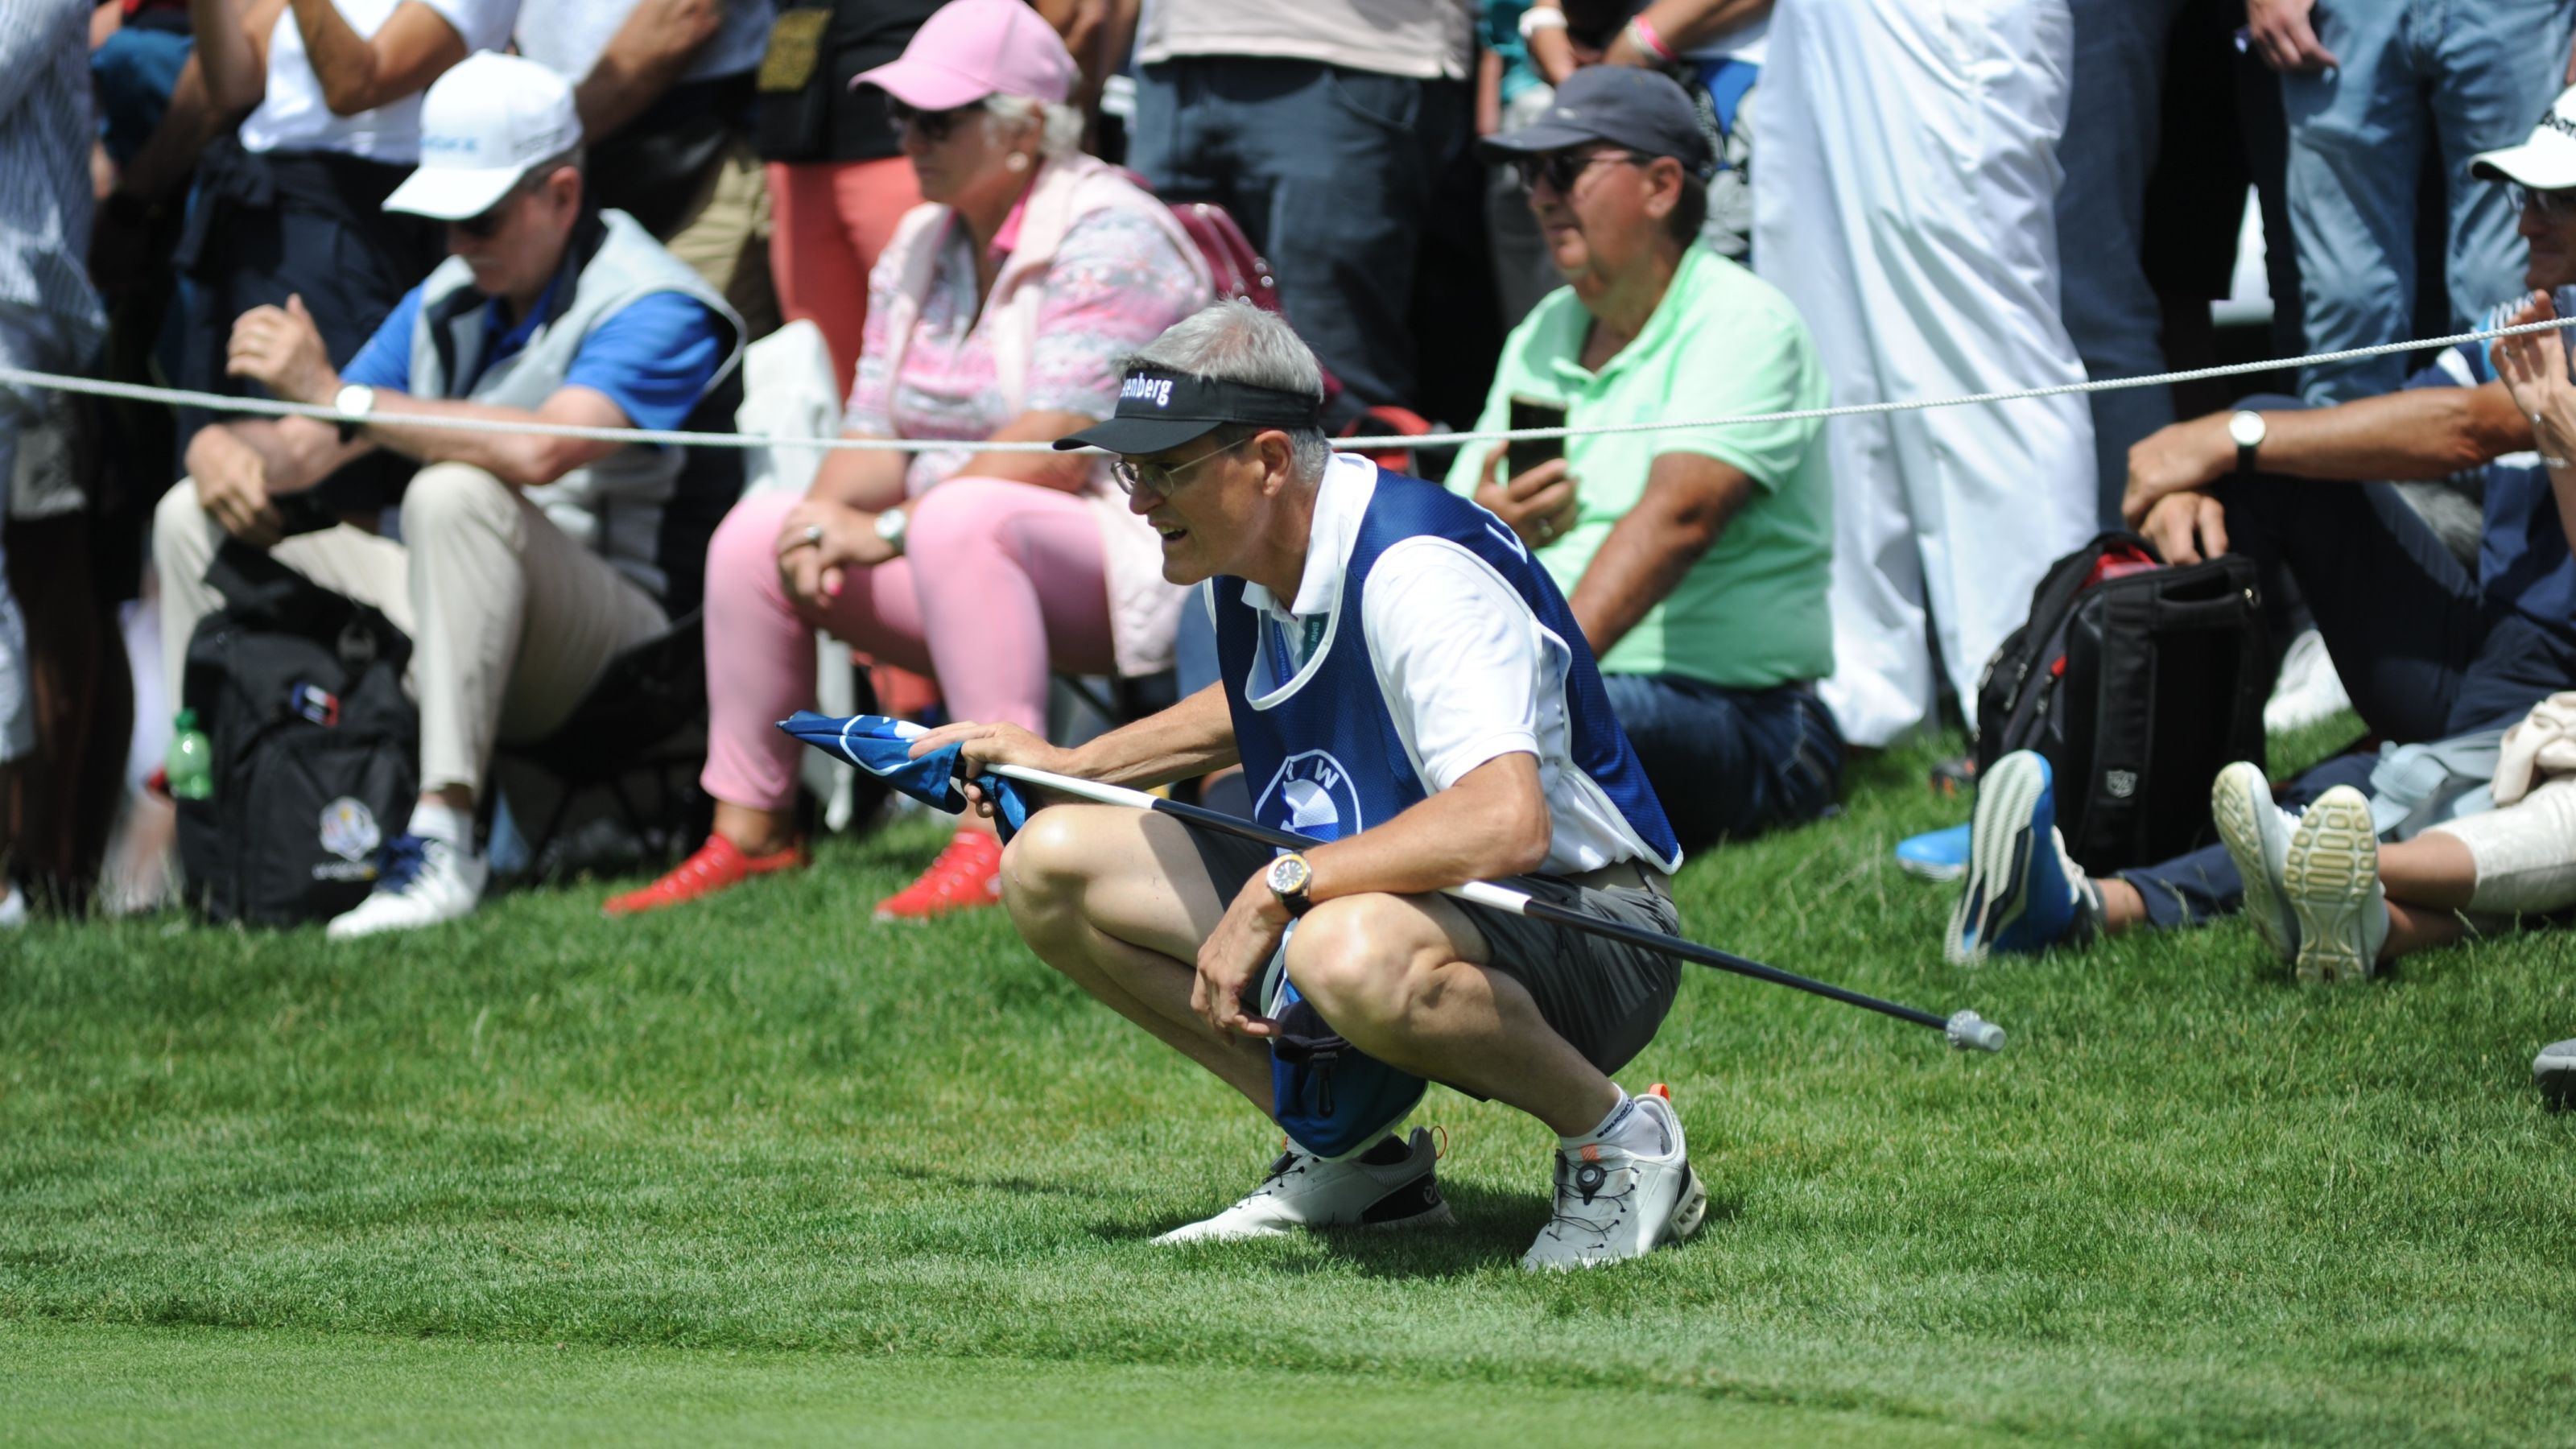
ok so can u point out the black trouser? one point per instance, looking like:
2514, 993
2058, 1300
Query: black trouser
2423, 651
265, 227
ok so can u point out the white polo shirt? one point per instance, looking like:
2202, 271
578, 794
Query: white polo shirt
1468, 672
293, 117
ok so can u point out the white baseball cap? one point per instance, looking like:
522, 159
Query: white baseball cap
482, 126
2546, 162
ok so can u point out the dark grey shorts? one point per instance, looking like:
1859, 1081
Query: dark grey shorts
1606, 998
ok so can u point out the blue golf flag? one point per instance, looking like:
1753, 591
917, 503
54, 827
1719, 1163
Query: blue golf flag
883, 748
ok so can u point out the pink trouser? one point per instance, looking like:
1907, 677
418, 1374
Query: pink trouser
830, 222
1000, 583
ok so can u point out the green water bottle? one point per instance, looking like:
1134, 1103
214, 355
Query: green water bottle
192, 759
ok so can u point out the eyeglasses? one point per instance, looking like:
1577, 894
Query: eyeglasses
1561, 169
934, 126
2557, 206
1158, 477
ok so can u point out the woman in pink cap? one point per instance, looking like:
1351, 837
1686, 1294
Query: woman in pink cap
997, 314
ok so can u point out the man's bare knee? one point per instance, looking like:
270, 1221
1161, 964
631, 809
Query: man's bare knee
1365, 959
1051, 860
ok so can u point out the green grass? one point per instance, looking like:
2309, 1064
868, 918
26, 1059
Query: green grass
764, 1170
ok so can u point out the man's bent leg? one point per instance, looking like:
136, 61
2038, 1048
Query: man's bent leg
517, 620
1406, 979
2399, 615
1119, 901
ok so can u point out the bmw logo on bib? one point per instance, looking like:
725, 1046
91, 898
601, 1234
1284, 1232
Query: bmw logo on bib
1312, 795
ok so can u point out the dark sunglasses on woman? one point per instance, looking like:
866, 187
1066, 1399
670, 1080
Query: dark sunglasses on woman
934, 126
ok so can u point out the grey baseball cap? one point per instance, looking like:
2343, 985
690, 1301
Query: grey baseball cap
1643, 110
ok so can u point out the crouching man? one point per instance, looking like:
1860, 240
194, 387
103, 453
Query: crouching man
1402, 680
526, 563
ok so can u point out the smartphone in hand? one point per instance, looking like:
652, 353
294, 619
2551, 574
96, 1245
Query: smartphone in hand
1523, 454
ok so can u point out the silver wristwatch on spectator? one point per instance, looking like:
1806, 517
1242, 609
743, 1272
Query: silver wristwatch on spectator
355, 398
2246, 430
891, 523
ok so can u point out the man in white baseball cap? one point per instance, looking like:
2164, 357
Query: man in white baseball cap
484, 126
527, 563
2546, 162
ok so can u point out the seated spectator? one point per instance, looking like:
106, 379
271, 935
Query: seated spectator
2320, 888
2428, 652
997, 314
527, 563
293, 202
1698, 560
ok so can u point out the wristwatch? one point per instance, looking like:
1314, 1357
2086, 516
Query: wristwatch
356, 398
2247, 431
891, 523
1288, 878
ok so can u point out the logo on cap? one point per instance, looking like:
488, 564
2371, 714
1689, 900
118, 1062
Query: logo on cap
1140, 388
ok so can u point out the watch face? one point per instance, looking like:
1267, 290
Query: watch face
2247, 429
1288, 875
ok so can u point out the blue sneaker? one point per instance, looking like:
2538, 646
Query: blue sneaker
1936, 855
2023, 894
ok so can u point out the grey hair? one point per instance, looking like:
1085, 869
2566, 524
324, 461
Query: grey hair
1059, 126
1235, 341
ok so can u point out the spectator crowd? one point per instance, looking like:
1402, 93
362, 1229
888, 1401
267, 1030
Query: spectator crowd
493, 235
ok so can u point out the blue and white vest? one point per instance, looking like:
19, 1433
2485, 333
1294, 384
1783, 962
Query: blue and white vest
1320, 749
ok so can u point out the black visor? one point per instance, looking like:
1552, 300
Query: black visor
1158, 410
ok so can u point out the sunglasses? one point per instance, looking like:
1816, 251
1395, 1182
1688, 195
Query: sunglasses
1160, 477
935, 126
2557, 206
481, 227
1561, 169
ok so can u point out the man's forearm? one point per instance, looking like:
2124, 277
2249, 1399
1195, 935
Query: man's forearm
520, 459
646, 55
1686, 506
2412, 436
1190, 739
294, 453
341, 59
169, 155
1494, 822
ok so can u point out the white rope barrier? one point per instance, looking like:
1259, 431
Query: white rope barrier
267, 407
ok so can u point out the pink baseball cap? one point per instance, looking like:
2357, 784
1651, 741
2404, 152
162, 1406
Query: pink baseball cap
970, 49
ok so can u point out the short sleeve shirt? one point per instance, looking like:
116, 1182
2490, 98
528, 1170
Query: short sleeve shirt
1116, 283
293, 117
1752, 612
653, 357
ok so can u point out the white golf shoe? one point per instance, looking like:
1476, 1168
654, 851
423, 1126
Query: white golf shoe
1304, 1191
1614, 1203
2331, 875
425, 881
2257, 833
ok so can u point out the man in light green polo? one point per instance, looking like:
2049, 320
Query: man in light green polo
1697, 560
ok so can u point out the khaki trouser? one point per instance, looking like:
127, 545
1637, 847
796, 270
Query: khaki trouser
724, 238
512, 623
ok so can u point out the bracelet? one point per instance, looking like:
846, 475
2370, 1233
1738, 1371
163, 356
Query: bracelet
1538, 18
1641, 34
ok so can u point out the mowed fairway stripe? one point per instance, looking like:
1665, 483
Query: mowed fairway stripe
80, 1383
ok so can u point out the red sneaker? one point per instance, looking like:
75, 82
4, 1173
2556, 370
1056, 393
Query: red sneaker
718, 865
966, 875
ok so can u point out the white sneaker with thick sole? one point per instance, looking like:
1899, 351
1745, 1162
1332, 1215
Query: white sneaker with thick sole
2307, 690
2257, 833
2331, 875
1613, 1203
425, 881
1304, 1191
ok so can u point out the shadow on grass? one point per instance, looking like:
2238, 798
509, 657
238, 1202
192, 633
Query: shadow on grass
1493, 1228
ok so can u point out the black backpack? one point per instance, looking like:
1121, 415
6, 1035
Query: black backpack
2137, 682
316, 750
